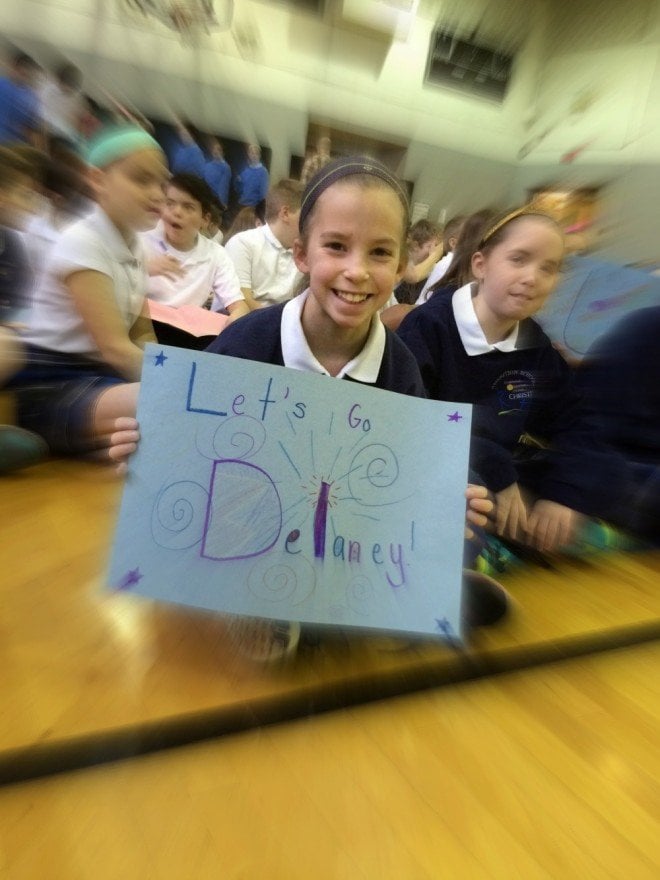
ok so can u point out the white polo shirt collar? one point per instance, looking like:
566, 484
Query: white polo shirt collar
198, 253
272, 238
121, 250
298, 355
469, 329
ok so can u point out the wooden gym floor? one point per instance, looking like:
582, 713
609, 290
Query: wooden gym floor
549, 771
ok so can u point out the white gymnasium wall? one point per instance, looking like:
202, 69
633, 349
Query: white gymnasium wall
608, 54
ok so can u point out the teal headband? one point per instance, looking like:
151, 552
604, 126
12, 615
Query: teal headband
116, 143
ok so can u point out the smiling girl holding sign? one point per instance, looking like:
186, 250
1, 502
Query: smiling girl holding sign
353, 225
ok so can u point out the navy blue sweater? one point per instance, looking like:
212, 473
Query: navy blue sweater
621, 373
528, 391
256, 337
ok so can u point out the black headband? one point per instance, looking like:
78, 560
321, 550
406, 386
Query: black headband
346, 167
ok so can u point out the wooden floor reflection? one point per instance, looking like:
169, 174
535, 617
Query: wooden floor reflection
542, 774
79, 664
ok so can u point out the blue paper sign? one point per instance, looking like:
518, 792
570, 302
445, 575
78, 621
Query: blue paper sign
271, 492
592, 296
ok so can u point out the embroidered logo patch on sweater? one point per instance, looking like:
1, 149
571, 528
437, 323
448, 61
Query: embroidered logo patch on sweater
514, 390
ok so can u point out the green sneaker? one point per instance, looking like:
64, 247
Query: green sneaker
19, 448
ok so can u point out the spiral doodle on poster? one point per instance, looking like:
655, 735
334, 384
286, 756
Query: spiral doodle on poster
373, 470
239, 437
278, 582
360, 594
177, 517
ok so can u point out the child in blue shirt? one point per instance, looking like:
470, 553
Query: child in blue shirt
217, 173
252, 183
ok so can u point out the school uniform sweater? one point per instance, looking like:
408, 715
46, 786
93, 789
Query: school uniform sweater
622, 373
257, 337
529, 390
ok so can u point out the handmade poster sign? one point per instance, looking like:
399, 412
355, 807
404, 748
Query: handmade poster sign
592, 296
276, 493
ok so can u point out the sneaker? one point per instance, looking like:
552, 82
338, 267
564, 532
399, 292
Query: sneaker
19, 448
262, 640
485, 601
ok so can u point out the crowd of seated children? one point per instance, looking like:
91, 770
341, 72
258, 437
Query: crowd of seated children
185, 267
63, 105
424, 250
263, 257
461, 254
246, 218
212, 226
65, 198
474, 340
450, 236
20, 113
480, 345
43, 108
459, 271
87, 324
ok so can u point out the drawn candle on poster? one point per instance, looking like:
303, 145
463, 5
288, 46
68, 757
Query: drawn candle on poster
271, 492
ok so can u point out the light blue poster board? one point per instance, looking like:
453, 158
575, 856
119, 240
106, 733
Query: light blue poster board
591, 297
276, 493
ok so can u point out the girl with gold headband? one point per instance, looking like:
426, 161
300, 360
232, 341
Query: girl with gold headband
480, 345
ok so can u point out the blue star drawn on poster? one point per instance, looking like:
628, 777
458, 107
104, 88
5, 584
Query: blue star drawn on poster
159, 359
444, 626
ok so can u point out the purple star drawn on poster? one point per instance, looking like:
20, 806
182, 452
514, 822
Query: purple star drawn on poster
130, 579
455, 417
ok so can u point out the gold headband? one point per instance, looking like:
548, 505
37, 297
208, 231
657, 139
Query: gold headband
519, 212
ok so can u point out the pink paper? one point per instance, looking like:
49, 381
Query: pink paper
192, 319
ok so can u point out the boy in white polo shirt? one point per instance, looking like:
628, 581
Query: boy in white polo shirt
185, 268
263, 257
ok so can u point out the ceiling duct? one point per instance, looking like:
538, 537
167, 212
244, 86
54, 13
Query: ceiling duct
473, 46
467, 66
503, 25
